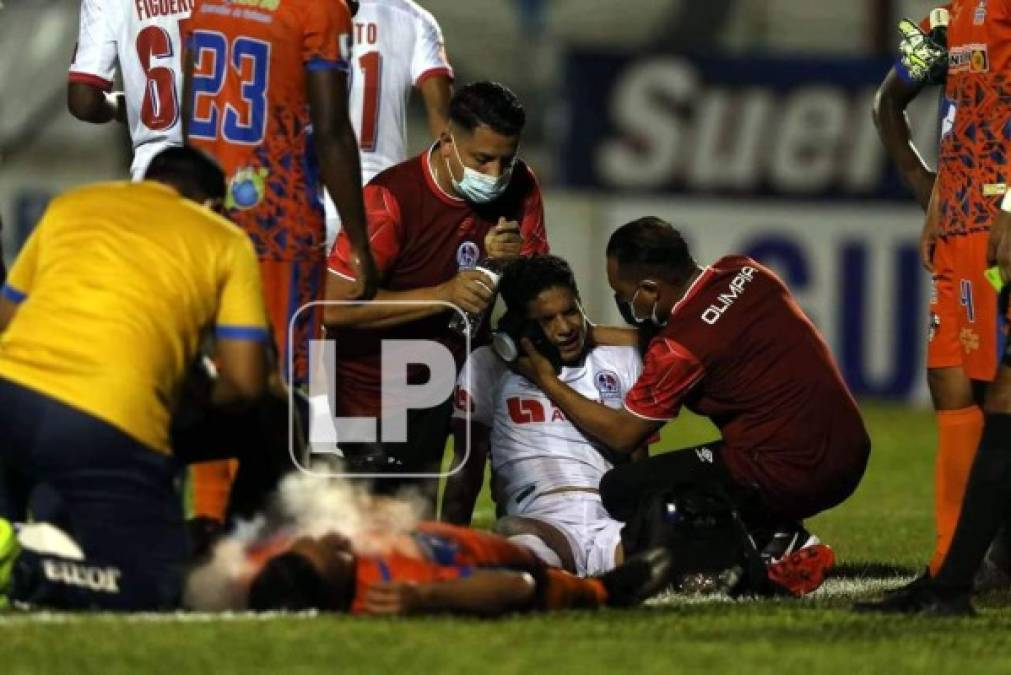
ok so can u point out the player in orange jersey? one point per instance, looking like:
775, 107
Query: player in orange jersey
966, 331
266, 94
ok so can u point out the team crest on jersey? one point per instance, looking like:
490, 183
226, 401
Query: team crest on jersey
467, 255
246, 189
608, 385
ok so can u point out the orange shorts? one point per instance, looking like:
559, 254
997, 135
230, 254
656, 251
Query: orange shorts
287, 286
964, 327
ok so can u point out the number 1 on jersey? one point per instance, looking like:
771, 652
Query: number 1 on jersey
372, 68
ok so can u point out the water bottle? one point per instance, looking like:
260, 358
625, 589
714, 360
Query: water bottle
468, 323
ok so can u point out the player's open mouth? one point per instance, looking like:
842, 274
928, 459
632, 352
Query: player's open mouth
569, 343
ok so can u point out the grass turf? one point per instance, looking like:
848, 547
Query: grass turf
881, 536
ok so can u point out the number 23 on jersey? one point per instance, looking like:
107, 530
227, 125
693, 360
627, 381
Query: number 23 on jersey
245, 63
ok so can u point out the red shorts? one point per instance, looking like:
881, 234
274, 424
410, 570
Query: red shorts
964, 328
288, 286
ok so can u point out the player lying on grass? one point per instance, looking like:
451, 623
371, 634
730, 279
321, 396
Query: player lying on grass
545, 471
731, 345
440, 568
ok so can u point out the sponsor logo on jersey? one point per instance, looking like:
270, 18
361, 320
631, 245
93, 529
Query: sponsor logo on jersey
100, 579
467, 255
608, 385
726, 299
973, 58
246, 189
704, 455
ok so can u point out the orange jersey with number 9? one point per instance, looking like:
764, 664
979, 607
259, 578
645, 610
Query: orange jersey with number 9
250, 110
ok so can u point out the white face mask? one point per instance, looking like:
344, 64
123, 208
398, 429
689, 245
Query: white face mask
478, 187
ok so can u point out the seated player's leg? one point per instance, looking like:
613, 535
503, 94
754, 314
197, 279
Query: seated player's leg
961, 331
574, 526
542, 538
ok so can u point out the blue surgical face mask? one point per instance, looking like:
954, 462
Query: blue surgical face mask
478, 187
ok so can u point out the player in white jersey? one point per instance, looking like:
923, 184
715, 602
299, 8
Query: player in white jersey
397, 47
142, 38
545, 471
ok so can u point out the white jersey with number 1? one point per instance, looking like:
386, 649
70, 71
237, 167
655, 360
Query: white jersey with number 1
397, 46
142, 37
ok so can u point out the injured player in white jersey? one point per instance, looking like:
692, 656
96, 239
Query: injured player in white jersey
545, 471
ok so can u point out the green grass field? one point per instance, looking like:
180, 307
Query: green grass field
881, 536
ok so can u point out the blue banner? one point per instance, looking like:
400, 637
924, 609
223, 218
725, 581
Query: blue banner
731, 126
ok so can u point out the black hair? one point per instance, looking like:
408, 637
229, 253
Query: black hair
288, 582
525, 278
654, 246
194, 173
489, 103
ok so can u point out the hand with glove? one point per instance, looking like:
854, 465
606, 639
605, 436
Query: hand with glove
924, 56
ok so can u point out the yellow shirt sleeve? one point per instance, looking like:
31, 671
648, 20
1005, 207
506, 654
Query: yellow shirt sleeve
22, 274
241, 312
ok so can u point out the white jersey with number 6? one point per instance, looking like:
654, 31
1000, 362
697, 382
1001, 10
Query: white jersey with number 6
397, 46
142, 37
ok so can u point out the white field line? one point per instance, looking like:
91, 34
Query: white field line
838, 588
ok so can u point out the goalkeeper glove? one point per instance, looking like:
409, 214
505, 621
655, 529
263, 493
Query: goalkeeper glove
924, 58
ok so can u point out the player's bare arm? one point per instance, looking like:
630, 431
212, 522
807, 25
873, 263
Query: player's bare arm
619, 430
463, 487
467, 290
436, 92
89, 103
340, 168
930, 231
484, 593
8, 308
890, 103
242, 371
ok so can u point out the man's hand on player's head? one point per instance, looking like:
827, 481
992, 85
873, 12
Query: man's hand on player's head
366, 273
923, 59
469, 290
534, 366
504, 240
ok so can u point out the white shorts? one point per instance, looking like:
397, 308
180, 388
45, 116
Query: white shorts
591, 532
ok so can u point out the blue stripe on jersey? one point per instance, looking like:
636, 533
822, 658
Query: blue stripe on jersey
12, 294
255, 333
324, 64
384, 570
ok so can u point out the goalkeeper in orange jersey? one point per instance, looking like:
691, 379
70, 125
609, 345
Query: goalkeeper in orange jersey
968, 48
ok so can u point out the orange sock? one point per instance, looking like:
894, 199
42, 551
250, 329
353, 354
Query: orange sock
212, 484
958, 434
566, 591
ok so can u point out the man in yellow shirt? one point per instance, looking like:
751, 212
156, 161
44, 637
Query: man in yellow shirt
102, 314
